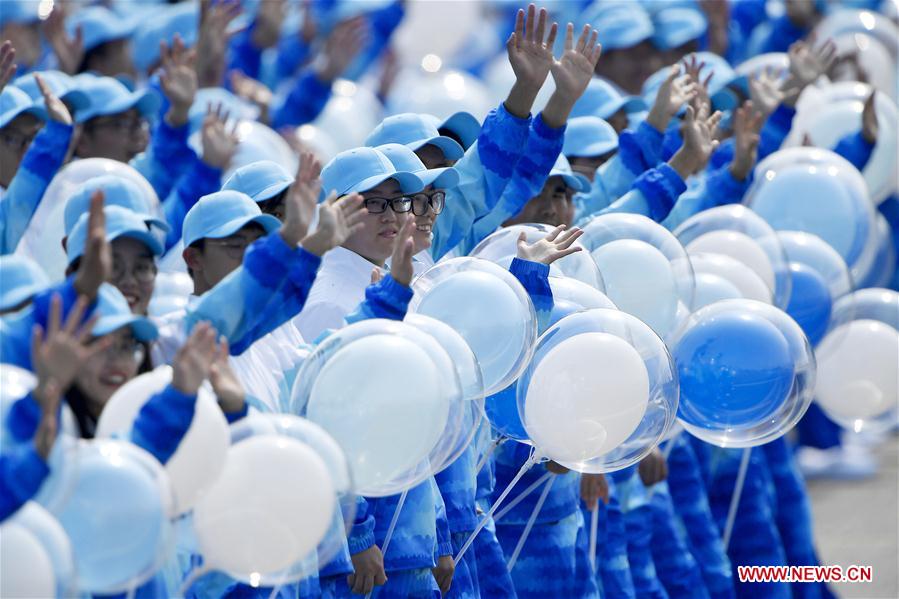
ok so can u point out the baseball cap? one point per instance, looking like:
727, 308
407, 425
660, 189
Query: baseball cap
261, 180
589, 136
224, 213
676, 26
99, 25
404, 159
62, 85
117, 191
575, 181
415, 131
114, 313
120, 222
360, 169
14, 102
109, 96
20, 279
463, 125
602, 99
182, 18
619, 24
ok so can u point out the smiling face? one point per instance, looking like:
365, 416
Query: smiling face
133, 272
374, 241
211, 260
105, 372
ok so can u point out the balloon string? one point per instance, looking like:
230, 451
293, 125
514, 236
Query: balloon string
390, 529
193, 577
483, 461
735, 499
521, 496
530, 524
532, 459
275, 590
594, 528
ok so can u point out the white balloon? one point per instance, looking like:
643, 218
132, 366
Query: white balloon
712, 288
53, 538
749, 284
25, 567
346, 120
200, 456
582, 294
858, 371
435, 28
442, 94
738, 246
586, 397
270, 507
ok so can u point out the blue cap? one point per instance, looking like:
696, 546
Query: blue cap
19, 11
14, 102
619, 24
404, 159
602, 99
224, 213
114, 313
360, 169
110, 96
20, 280
575, 181
182, 18
99, 25
463, 124
676, 26
261, 180
237, 108
117, 191
62, 85
120, 222
415, 131
589, 136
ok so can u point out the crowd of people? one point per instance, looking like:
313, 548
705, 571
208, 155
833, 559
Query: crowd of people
172, 203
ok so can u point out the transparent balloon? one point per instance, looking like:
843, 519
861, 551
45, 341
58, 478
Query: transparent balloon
878, 270
441, 93
501, 247
828, 198
256, 142
738, 232
487, 306
52, 537
778, 61
117, 516
42, 241
348, 117
26, 569
862, 21
577, 292
746, 373
645, 268
862, 57
600, 393
338, 468
711, 288
383, 389
813, 251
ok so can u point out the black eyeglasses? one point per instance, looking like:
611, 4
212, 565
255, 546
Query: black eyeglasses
435, 200
399, 204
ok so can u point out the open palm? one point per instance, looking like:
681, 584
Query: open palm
530, 56
573, 71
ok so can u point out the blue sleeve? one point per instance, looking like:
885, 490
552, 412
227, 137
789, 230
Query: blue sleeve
163, 421
23, 418
783, 33
534, 277
168, 158
640, 150
382, 24
44, 157
305, 101
723, 154
201, 179
719, 189
362, 536
499, 147
385, 299
22, 472
654, 195
775, 130
244, 56
856, 149
444, 539
292, 52
233, 417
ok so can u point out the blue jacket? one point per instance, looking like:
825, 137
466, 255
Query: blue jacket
44, 157
300, 100
22, 472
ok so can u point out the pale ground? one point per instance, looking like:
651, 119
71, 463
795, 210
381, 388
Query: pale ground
856, 523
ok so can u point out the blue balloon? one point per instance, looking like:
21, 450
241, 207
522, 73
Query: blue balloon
734, 368
502, 412
810, 301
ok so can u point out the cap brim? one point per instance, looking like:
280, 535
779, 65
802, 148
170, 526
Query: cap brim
409, 182
268, 222
598, 148
270, 191
145, 101
14, 297
142, 328
575, 181
36, 109
158, 223
450, 147
465, 125
144, 237
441, 178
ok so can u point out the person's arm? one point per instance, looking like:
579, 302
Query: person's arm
531, 265
368, 561
22, 472
858, 147
443, 554
246, 47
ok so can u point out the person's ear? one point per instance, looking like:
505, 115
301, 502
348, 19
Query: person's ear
65, 242
193, 259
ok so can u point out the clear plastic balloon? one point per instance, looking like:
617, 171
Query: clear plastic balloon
813, 251
600, 393
862, 57
575, 291
645, 268
52, 537
749, 284
829, 199
738, 232
200, 456
348, 117
383, 389
487, 306
42, 241
117, 516
879, 269
862, 21
314, 437
711, 288
442, 93
746, 373
501, 247
435, 29
25, 567
178, 284
256, 142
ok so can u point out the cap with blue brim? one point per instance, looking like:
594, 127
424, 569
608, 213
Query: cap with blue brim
676, 26
224, 213
587, 136
415, 131
120, 222
261, 180
620, 25
99, 25
360, 169
109, 96
463, 125
62, 86
19, 11
114, 313
602, 99
181, 19
575, 181
20, 280
15, 102
404, 159
117, 191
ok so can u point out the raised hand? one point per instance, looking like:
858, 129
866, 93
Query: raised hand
49, 397
765, 91
693, 68
870, 127
675, 91
228, 390
69, 51
96, 263
341, 47
571, 74
178, 79
194, 359
267, 26
747, 125
594, 488
301, 199
254, 92
219, 143
698, 132
403, 249
213, 38
338, 219
7, 64
62, 351
531, 58
807, 64
56, 109
557, 244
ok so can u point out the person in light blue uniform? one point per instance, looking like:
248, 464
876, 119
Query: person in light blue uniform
20, 280
604, 100
678, 31
106, 41
612, 563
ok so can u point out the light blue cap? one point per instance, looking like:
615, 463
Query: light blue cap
463, 124
575, 181
676, 26
14, 102
404, 159
120, 222
723, 76
237, 108
589, 136
328, 13
99, 25
117, 191
602, 99
415, 131
110, 96
360, 169
619, 24
19, 11
62, 85
114, 313
20, 280
261, 180
182, 18
224, 213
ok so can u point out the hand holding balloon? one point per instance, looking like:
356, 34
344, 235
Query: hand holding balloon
557, 244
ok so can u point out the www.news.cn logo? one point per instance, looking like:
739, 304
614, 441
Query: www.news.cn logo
805, 573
